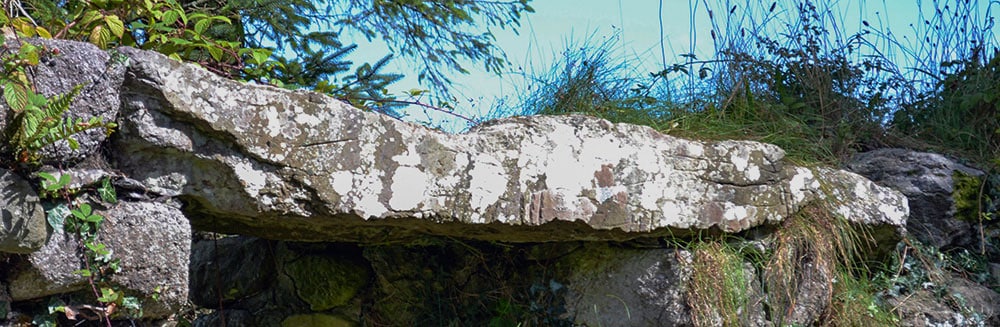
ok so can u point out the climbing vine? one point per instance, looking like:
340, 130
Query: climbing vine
74, 215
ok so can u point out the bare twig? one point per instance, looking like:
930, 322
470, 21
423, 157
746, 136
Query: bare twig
420, 104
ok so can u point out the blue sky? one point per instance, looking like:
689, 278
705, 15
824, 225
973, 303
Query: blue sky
635, 27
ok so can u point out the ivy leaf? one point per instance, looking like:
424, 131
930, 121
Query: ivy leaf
57, 217
107, 192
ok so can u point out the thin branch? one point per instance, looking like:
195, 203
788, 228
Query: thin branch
420, 104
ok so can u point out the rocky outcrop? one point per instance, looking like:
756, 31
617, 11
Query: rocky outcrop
944, 197
339, 201
928, 181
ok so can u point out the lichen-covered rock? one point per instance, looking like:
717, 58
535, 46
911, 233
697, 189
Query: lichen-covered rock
47, 271
22, 219
152, 242
253, 159
927, 181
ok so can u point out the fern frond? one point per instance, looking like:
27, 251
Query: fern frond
59, 104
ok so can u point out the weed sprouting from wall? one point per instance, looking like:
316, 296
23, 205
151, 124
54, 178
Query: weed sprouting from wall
810, 269
720, 286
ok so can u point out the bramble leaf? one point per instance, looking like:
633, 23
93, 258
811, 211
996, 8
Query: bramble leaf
16, 95
115, 24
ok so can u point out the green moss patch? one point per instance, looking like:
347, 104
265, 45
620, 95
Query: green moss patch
326, 282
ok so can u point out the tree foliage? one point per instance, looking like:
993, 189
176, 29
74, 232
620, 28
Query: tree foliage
308, 37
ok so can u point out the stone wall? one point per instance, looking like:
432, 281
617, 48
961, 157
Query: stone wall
243, 204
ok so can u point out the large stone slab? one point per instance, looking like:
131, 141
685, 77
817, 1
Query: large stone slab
258, 160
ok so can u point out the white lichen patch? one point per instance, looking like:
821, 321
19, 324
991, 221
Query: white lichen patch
802, 182
253, 179
671, 210
408, 157
302, 118
273, 127
365, 195
342, 182
694, 149
735, 213
896, 214
753, 173
409, 188
740, 158
487, 182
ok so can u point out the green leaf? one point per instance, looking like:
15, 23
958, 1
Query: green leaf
115, 24
16, 95
90, 16
100, 36
64, 180
180, 41
47, 177
216, 53
107, 192
109, 295
42, 32
260, 55
30, 53
83, 211
201, 25
83, 273
56, 217
73, 143
170, 16
98, 248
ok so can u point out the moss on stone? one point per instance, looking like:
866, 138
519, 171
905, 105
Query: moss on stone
966, 195
326, 282
316, 320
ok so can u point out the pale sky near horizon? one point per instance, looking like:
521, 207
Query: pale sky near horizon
634, 25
